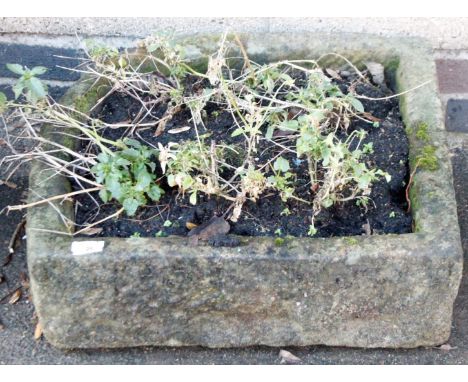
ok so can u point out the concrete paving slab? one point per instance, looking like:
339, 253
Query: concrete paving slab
442, 32
457, 115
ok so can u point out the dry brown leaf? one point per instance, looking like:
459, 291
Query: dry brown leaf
370, 117
190, 225
92, 231
2, 278
211, 228
178, 130
2, 142
38, 331
15, 297
289, 358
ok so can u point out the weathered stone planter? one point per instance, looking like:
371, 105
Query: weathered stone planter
369, 291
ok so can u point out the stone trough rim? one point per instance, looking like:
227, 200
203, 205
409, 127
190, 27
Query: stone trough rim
433, 230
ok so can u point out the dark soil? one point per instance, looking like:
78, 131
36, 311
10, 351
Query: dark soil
386, 212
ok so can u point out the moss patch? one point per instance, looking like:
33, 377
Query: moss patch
426, 158
421, 132
351, 240
279, 241
85, 102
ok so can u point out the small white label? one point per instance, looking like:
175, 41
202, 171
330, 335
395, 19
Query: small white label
86, 247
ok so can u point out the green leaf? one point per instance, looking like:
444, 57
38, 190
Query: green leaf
143, 181
155, 192
130, 206
326, 152
37, 87
237, 132
122, 162
16, 68
364, 181
269, 84
368, 148
18, 89
130, 154
151, 165
103, 158
288, 81
328, 202
38, 70
312, 230
171, 180
152, 47
281, 164
104, 195
122, 62
132, 142
114, 186
358, 106
269, 132
3, 102
31, 97
317, 115
291, 125
187, 182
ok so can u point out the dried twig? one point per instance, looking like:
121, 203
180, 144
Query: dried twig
13, 240
10, 294
115, 214
56, 197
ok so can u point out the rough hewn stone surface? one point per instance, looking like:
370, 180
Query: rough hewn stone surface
373, 291
382, 292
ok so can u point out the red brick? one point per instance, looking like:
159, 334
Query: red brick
453, 76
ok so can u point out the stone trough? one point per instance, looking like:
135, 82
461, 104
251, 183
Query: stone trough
367, 291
